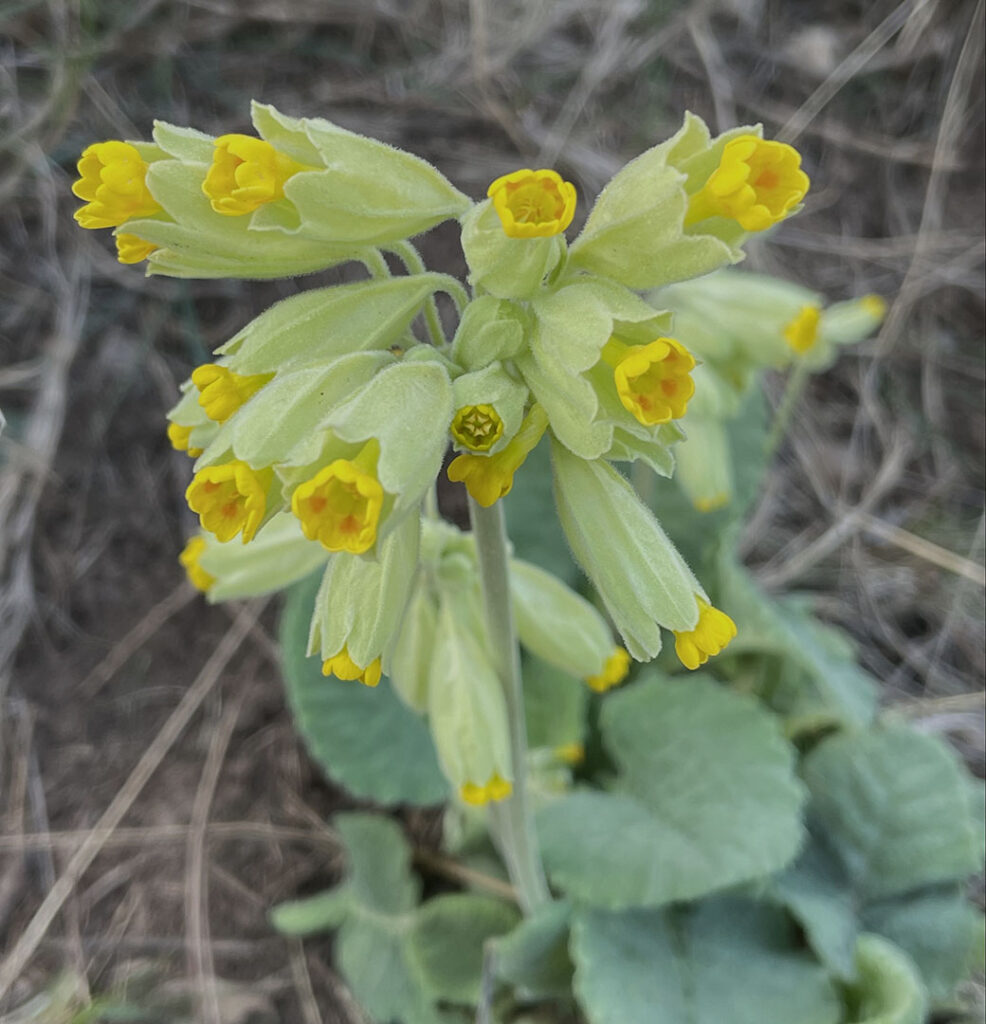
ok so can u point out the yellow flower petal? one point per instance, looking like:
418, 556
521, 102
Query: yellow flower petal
113, 182
711, 635
533, 204
246, 173
230, 498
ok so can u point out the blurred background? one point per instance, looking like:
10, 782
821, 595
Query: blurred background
146, 757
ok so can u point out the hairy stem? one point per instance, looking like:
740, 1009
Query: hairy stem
513, 827
411, 259
793, 388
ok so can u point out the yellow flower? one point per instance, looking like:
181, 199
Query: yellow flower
488, 478
229, 498
189, 558
875, 305
654, 380
113, 184
712, 503
477, 427
711, 634
131, 249
614, 672
757, 184
179, 436
496, 789
342, 666
246, 173
340, 506
222, 392
802, 332
533, 204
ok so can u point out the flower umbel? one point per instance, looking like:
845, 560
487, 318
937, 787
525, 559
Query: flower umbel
495, 789
488, 478
757, 183
340, 506
477, 427
533, 204
113, 184
802, 332
615, 671
342, 666
131, 249
189, 558
179, 438
222, 392
711, 635
654, 380
246, 173
230, 498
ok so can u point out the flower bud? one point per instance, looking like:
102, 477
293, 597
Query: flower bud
558, 625
410, 664
466, 706
490, 329
361, 603
113, 183
643, 581
489, 406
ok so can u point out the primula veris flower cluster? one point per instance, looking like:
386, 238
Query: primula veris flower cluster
319, 430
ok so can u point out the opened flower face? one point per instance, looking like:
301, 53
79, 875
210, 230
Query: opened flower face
533, 204
229, 499
340, 506
113, 183
654, 380
757, 184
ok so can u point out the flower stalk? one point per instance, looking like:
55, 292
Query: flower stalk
511, 820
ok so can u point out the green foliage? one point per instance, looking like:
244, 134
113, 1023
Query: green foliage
889, 990
706, 798
399, 957
366, 739
723, 960
534, 956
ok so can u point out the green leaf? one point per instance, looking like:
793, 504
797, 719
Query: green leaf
448, 938
941, 932
554, 705
724, 960
889, 990
820, 682
532, 523
320, 913
365, 738
816, 891
534, 956
894, 805
707, 799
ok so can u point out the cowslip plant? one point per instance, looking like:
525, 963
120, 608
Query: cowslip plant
702, 867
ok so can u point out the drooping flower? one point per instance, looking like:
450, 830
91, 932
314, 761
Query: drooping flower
222, 392
246, 173
757, 183
189, 558
709, 637
342, 666
494, 790
533, 204
179, 437
654, 380
477, 427
113, 183
617, 667
230, 498
488, 478
340, 506
131, 249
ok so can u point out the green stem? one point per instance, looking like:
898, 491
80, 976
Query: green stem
511, 820
411, 259
793, 388
374, 262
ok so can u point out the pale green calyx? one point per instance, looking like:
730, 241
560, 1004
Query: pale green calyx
558, 625
643, 581
361, 601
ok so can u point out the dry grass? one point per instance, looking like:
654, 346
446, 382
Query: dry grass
155, 802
